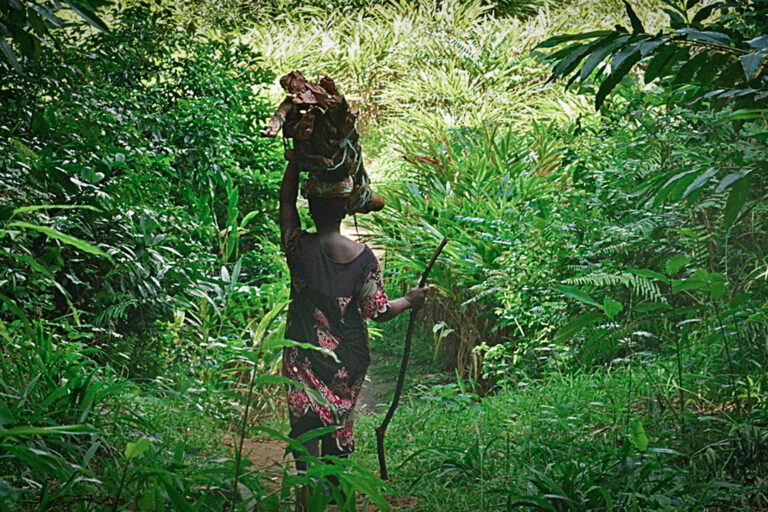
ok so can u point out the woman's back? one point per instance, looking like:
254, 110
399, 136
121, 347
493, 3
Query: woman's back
327, 296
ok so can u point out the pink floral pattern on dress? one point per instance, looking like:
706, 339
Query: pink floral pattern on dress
343, 303
373, 298
344, 438
320, 318
298, 402
327, 340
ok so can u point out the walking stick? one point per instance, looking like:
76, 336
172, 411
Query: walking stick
382, 429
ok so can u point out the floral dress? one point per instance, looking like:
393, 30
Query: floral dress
330, 302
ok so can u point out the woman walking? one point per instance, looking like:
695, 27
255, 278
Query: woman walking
335, 286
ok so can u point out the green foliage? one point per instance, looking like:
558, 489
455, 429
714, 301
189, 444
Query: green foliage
30, 25
601, 303
697, 50
158, 147
556, 445
495, 243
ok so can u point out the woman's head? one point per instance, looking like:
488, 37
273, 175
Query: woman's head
327, 210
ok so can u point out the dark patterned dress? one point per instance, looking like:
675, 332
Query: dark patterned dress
330, 302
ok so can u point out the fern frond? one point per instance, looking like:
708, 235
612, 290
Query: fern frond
641, 286
116, 312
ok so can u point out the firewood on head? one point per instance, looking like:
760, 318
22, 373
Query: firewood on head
293, 83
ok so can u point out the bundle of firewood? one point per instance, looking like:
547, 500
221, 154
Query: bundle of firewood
326, 143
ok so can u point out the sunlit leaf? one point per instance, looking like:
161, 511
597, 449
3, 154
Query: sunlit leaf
134, 450
675, 263
637, 435
612, 307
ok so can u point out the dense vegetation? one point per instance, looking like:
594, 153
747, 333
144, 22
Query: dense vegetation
599, 340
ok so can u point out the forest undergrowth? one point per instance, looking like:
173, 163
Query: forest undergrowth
598, 337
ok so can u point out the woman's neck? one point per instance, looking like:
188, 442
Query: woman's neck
329, 230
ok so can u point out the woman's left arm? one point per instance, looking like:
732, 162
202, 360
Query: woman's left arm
289, 191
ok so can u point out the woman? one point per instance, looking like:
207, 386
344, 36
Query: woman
335, 286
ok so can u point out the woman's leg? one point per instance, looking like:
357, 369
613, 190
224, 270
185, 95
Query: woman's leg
299, 427
337, 444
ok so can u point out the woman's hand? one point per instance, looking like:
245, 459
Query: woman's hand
416, 297
413, 299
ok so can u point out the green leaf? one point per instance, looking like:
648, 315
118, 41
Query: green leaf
569, 63
37, 23
43, 431
67, 239
134, 450
637, 435
637, 25
564, 38
612, 307
88, 15
6, 416
660, 62
728, 181
10, 55
687, 70
759, 43
675, 20
690, 284
650, 46
699, 182
16, 310
35, 208
38, 267
746, 114
644, 272
620, 65
576, 294
612, 42
752, 63
736, 200
244, 222
691, 34
705, 12
717, 286
275, 343
674, 192
676, 263
730, 75
46, 13
574, 326
177, 499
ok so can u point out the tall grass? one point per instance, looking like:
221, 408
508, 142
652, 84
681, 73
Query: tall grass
556, 444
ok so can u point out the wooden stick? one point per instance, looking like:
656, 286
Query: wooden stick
382, 429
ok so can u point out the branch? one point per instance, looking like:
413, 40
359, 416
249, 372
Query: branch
381, 430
